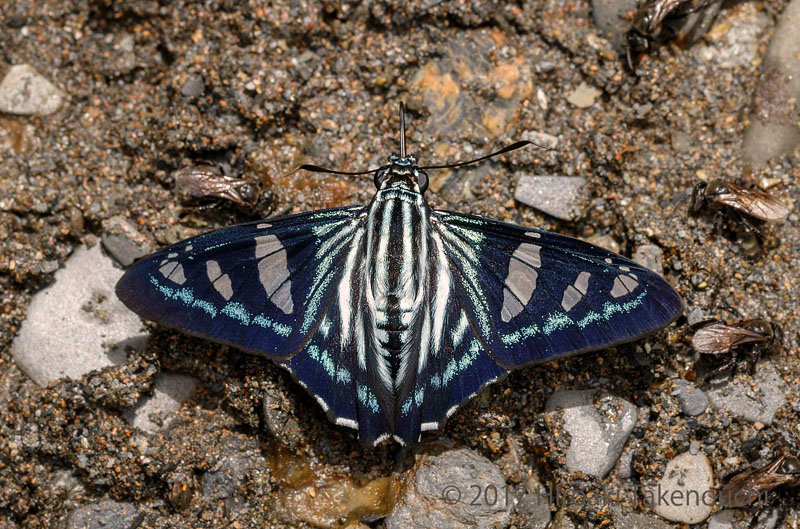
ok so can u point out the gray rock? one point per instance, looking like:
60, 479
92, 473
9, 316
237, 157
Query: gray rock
561, 520
194, 86
222, 481
610, 18
625, 468
69, 482
685, 492
692, 400
598, 423
533, 506
75, 325
584, 95
773, 129
541, 139
631, 520
279, 417
695, 316
104, 515
651, 256
726, 519
24, 92
743, 519
559, 196
442, 493
123, 241
152, 413
755, 399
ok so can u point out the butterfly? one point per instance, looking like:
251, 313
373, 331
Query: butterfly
393, 314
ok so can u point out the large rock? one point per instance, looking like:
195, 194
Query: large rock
77, 324
456, 489
598, 428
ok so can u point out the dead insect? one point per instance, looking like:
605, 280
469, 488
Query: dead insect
204, 181
750, 486
752, 337
655, 21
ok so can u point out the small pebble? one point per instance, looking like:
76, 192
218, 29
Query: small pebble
685, 492
650, 256
559, 196
692, 400
153, 412
77, 324
598, 428
695, 316
24, 92
194, 86
584, 96
123, 241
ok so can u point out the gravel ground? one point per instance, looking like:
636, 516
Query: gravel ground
138, 89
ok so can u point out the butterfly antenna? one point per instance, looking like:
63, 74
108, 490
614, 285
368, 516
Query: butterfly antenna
318, 169
402, 130
512, 147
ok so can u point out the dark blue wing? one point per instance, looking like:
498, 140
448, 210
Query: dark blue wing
267, 287
520, 296
533, 295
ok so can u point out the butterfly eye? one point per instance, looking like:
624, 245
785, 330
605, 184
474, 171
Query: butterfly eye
422, 180
380, 176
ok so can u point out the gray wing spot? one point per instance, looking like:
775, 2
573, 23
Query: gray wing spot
283, 298
529, 253
582, 283
571, 298
273, 272
575, 292
629, 281
533, 234
264, 226
624, 284
172, 271
521, 279
511, 306
221, 282
266, 245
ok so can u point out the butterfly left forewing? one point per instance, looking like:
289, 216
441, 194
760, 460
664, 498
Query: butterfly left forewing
259, 286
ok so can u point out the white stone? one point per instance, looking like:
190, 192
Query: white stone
77, 324
24, 92
597, 436
685, 493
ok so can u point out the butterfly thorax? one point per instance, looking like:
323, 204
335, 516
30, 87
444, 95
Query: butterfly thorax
397, 221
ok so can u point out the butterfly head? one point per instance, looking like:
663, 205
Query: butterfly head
402, 172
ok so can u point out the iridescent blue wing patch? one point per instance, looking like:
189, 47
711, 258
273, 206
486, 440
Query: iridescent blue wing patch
533, 295
267, 287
